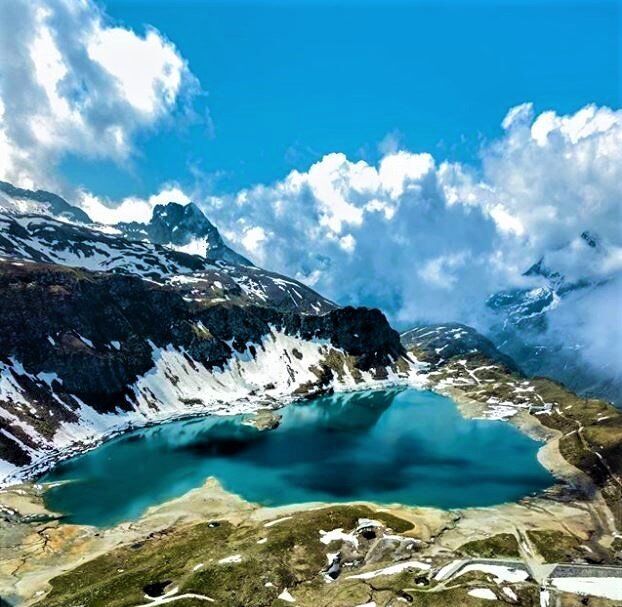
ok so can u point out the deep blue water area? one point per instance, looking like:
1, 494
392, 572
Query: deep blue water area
406, 446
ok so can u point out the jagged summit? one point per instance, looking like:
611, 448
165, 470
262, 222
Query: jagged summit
172, 223
186, 228
540, 269
21, 200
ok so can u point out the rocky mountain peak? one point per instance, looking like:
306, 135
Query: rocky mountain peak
540, 269
180, 223
186, 228
591, 239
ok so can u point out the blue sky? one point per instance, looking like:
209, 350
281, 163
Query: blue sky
289, 82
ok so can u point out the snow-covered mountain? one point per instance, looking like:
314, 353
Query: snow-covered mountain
440, 343
526, 308
48, 240
533, 324
163, 250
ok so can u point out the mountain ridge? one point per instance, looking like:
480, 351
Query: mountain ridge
22, 200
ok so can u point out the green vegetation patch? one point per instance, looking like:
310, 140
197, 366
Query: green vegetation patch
502, 544
555, 546
247, 564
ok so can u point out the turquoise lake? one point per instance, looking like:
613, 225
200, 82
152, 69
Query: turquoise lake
406, 446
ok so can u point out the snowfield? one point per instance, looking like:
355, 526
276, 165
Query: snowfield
604, 587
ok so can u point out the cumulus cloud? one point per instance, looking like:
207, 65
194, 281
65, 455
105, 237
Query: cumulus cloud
429, 240
556, 176
74, 83
381, 235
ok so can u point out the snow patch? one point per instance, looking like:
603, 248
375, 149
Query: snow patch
483, 593
286, 596
604, 587
391, 570
234, 558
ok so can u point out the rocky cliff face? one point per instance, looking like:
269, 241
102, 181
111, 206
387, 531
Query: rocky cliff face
82, 353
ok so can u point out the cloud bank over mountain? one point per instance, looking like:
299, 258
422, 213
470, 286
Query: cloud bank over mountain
73, 82
430, 240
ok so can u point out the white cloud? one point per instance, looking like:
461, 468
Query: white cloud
439, 271
253, 239
73, 83
400, 170
360, 233
147, 71
551, 177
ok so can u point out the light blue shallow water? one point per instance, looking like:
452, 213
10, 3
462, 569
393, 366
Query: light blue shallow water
404, 446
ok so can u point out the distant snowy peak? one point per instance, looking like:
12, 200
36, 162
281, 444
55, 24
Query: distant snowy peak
576, 260
575, 266
528, 321
20, 200
184, 228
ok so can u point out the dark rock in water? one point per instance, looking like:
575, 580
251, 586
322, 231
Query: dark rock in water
264, 420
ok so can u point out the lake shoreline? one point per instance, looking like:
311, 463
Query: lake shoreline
576, 505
